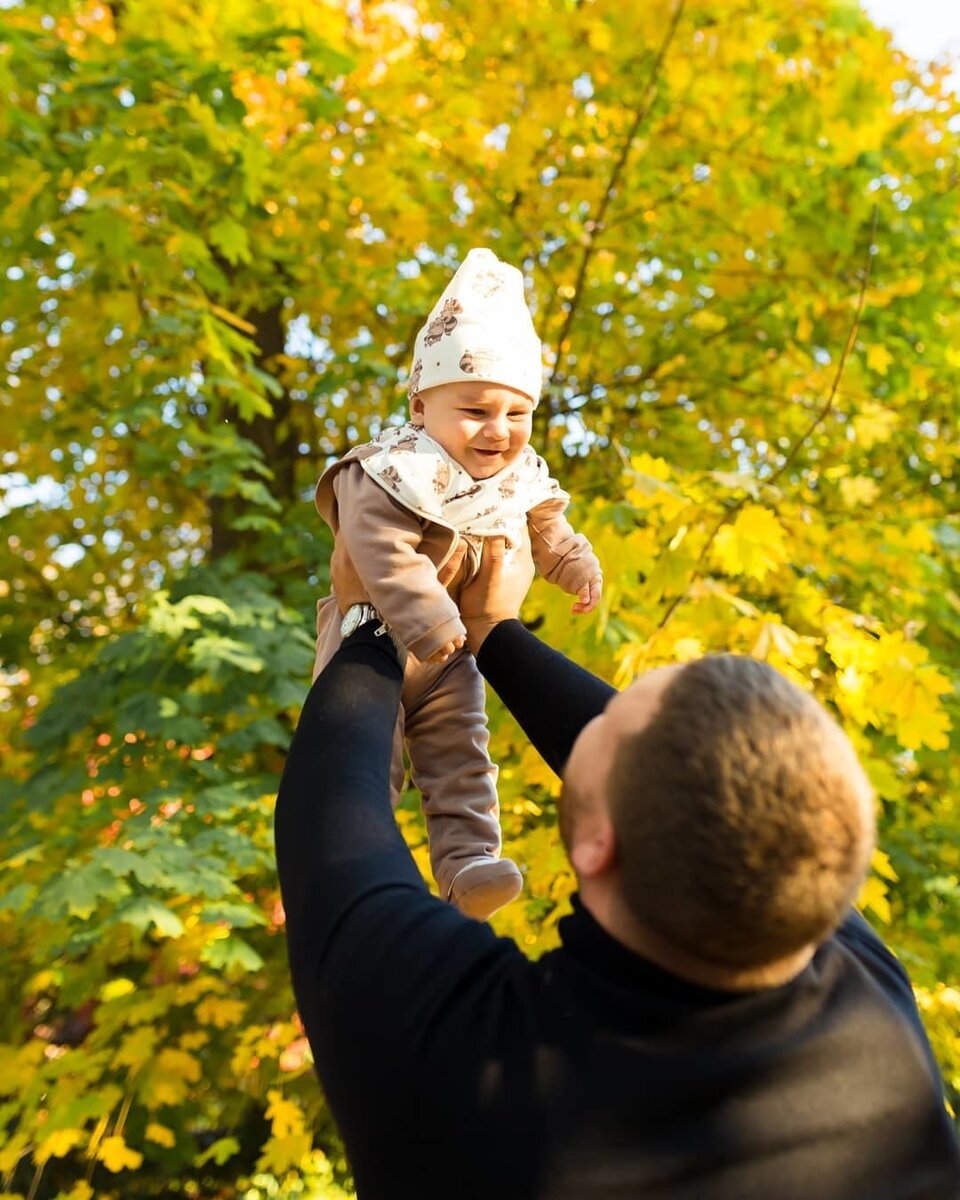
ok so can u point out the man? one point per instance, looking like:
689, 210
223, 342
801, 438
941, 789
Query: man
718, 1022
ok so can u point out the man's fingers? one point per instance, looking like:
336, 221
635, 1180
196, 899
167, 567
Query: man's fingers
499, 588
453, 563
494, 550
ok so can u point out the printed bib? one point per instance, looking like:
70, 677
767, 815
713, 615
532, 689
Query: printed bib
417, 472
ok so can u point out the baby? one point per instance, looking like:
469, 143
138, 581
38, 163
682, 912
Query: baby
404, 506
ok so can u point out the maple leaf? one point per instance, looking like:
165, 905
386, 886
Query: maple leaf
753, 545
117, 1156
879, 359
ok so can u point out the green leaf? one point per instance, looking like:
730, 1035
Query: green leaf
221, 801
255, 523
239, 916
143, 912
222, 1150
213, 651
19, 898
79, 891
232, 954
230, 238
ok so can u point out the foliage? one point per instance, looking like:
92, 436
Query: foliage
224, 224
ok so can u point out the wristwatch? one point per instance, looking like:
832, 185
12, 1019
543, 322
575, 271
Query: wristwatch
362, 614
357, 615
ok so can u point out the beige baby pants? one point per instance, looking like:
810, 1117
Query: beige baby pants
443, 722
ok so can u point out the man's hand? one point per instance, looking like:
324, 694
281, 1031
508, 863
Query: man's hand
499, 589
588, 597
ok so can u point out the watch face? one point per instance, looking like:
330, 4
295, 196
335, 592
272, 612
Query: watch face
355, 616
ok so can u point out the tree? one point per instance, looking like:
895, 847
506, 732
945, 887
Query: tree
224, 226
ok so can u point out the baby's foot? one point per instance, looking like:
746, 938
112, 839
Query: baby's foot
484, 885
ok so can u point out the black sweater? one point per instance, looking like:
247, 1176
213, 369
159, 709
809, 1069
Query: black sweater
457, 1068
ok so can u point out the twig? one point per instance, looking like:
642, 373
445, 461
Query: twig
848, 346
596, 226
35, 1182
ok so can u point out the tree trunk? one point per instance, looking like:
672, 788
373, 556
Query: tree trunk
274, 436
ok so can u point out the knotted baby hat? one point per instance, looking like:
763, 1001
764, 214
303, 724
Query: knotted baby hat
479, 329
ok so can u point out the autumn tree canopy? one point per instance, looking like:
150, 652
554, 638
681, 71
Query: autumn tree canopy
221, 225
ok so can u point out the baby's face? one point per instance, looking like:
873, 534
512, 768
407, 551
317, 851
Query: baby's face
484, 426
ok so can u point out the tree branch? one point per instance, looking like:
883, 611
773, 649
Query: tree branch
794, 450
595, 227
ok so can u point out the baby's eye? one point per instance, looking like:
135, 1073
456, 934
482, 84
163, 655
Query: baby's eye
474, 412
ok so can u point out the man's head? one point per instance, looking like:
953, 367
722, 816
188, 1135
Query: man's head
722, 817
484, 426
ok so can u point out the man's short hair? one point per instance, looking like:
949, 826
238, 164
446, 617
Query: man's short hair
743, 819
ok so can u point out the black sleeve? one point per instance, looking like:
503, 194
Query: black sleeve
550, 696
375, 958
335, 834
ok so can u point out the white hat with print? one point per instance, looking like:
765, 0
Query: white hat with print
480, 329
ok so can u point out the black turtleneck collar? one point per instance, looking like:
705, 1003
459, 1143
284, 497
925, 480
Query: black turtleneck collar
605, 957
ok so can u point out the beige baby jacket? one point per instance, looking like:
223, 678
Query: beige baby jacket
397, 554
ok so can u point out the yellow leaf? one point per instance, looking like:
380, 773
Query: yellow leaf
535, 773
873, 895
880, 864
81, 1190
136, 1048
646, 464
12, 1151
161, 1135
116, 988
929, 728
884, 780
57, 1144
117, 1156
804, 328
708, 322
18, 1066
879, 359
282, 1153
600, 37
168, 1079
874, 423
908, 286
753, 545
670, 365
686, 649
221, 1012
285, 1116
908, 689
858, 489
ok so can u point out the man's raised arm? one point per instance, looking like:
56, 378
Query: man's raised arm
551, 697
336, 836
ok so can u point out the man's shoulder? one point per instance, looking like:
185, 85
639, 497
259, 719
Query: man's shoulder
858, 939
880, 978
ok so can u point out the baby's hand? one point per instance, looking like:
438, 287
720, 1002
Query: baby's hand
589, 595
446, 650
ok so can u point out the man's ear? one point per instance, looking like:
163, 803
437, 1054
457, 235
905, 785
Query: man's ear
416, 410
594, 849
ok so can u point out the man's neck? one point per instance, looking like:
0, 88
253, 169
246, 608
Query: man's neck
607, 909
